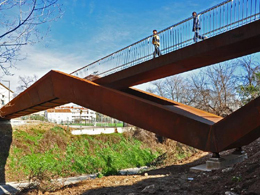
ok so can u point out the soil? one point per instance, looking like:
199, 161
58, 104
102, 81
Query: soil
242, 178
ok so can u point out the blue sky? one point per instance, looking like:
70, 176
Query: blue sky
91, 29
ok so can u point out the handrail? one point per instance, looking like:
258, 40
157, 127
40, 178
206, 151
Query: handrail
215, 20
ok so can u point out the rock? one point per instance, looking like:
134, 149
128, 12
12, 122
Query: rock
216, 177
185, 185
230, 193
149, 189
132, 171
175, 187
238, 187
227, 170
184, 177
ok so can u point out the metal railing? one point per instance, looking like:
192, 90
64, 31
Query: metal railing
214, 21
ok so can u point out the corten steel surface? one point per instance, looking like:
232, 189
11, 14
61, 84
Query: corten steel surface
232, 44
176, 121
38, 97
180, 122
240, 128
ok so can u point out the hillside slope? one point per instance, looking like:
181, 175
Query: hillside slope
242, 179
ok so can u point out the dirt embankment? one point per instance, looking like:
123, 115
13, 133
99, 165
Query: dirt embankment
242, 179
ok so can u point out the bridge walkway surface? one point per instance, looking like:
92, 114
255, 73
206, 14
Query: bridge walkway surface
231, 44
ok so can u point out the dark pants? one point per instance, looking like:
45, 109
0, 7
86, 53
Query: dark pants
197, 36
156, 51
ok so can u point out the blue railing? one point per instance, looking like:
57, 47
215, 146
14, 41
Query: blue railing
214, 21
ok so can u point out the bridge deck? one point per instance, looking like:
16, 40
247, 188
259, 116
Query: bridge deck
231, 44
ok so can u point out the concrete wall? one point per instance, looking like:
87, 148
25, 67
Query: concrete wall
99, 130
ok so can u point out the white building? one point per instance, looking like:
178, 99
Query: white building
80, 113
69, 114
6, 95
57, 115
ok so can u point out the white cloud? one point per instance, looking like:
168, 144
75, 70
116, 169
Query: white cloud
39, 62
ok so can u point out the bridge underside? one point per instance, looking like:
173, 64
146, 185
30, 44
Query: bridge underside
112, 96
171, 119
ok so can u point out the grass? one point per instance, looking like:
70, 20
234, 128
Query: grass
55, 152
50, 151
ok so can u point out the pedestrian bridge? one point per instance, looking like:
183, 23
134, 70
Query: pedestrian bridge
106, 86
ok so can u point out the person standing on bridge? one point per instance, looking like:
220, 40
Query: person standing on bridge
196, 28
156, 43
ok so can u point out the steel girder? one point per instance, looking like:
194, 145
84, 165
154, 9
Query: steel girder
171, 119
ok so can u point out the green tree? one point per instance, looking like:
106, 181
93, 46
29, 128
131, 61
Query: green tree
249, 86
250, 91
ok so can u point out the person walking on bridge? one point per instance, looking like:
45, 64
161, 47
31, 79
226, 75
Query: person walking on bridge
196, 28
156, 43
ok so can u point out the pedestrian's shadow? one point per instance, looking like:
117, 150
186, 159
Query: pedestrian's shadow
5, 143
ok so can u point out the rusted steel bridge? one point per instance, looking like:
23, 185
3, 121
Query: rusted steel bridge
110, 92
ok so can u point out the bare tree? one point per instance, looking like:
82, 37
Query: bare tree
25, 82
158, 88
214, 89
21, 24
175, 88
249, 67
200, 93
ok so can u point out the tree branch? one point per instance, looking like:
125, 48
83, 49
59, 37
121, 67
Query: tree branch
9, 45
1, 3
20, 24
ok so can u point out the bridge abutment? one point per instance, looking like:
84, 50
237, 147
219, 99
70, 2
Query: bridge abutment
220, 162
